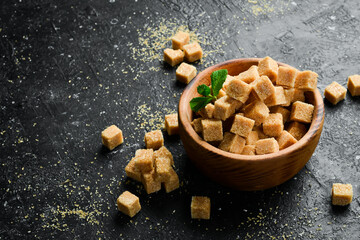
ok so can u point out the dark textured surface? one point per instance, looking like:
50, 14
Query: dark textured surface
69, 69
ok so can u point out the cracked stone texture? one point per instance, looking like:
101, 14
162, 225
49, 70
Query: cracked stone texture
69, 69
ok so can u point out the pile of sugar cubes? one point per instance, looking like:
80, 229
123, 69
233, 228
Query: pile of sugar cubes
260, 111
183, 50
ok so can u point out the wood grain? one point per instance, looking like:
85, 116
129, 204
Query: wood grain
244, 172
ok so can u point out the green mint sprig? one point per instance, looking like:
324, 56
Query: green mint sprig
217, 80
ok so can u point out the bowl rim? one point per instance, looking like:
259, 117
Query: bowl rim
184, 106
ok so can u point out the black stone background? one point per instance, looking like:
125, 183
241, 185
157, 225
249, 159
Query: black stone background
68, 69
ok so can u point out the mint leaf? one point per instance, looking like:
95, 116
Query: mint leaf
217, 80
203, 90
198, 103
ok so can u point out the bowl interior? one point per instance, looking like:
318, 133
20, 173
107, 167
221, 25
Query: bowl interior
235, 67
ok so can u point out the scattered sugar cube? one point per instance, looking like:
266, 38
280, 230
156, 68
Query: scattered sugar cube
301, 112
154, 139
151, 181
128, 204
180, 39
257, 111
132, 171
238, 90
112, 137
298, 130
173, 57
285, 140
193, 52
163, 152
225, 107
269, 67
162, 168
185, 73
249, 150
342, 194
277, 98
306, 80
334, 93
144, 160
263, 87
354, 85
273, 125
212, 130
172, 124
242, 125
283, 111
267, 145
286, 77
200, 207
232, 143
249, 75
252, 138
172, 183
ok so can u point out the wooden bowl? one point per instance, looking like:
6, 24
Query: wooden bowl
244, 172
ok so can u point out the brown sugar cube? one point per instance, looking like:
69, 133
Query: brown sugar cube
283, 111
298, 130
200, 207
286, 77
257, 111
278, 98
267, 145
225, 107
232, 143
173, 57
128, 204
260, 132
263, 87
193, 52
341, 194
227, 81
212, 130
207, 111
289, 94
252, 138
221, 94
172, 182
185, 73
252, 98
163, 152
172, 124
301, 112
151, 182
238, 90
112, 137
298, 95
196, 124
242, 125
335, 93
154, 139
180, 39
162, 168
249, 75
144, 160
132, 171
248, 150
285, 140
306, 80
354, 85
273, 125
269, 67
